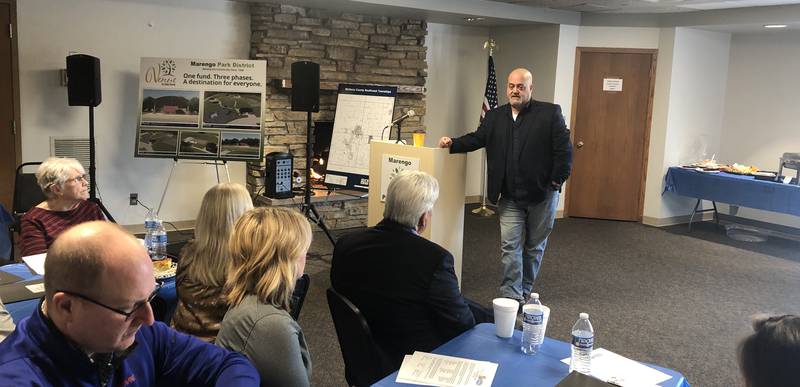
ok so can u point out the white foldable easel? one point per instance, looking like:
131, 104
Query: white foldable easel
175, 161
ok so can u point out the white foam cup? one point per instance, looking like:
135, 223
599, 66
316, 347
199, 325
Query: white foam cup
505, 315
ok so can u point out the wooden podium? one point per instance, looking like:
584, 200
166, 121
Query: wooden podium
447, 223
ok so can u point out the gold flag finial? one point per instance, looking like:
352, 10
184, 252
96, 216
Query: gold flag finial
490, 45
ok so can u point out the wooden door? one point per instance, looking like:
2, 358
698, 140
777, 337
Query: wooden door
611, 124
9, 140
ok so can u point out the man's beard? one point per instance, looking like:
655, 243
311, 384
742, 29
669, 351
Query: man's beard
519, 105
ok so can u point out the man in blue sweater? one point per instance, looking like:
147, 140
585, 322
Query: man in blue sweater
95, 326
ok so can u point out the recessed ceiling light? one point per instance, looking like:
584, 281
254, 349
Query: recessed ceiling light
473, 19
774, 25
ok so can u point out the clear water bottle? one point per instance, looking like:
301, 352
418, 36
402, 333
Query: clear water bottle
159, 242
150, 224
532, 325
582, 344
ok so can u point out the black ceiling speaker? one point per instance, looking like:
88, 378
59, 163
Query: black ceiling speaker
83, 80
305, 86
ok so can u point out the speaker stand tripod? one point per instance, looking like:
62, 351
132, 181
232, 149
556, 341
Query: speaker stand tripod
308, 208
92, 176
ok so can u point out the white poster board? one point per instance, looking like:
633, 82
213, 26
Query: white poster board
362, 114
201, 108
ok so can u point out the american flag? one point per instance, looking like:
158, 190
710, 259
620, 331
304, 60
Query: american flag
490, 96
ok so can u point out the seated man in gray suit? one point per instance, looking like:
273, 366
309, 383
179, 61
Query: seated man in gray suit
404, 284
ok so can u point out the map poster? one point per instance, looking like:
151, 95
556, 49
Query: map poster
363, 113
201, 108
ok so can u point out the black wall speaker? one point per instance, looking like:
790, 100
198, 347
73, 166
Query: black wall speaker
83, 80
305, 86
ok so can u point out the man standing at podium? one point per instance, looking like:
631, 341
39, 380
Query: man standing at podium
529, 157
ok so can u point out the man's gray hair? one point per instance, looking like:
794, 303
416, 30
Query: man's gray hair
410, 194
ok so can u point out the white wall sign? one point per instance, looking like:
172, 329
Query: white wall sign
612, 84
391, 165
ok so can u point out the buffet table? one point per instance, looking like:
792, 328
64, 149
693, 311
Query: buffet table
740, 190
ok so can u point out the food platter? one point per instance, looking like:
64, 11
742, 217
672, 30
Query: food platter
164, 270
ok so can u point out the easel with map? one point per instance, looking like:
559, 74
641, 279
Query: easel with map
362, 111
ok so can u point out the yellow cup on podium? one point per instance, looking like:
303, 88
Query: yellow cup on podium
419, 138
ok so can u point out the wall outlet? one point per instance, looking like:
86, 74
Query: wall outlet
133, 199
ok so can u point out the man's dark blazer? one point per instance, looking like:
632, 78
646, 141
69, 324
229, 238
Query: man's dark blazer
546, 153
405, 286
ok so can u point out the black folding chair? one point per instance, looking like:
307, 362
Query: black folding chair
364, 361
27, 194
299, 295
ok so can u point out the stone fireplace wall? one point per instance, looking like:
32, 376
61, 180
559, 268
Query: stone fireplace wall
350, 48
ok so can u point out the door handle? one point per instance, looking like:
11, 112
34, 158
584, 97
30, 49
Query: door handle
579, 144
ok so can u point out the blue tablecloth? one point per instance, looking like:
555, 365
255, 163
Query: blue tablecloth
22, 309
745, 191
515, 368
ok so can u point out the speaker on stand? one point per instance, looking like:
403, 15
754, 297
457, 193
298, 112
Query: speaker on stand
278, 175
305, 98
83, 89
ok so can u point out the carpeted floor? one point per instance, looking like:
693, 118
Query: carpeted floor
662, 296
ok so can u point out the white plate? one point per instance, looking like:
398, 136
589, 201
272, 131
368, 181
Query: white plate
169, 273
767, 174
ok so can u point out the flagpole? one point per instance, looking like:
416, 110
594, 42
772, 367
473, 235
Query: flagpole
483, 210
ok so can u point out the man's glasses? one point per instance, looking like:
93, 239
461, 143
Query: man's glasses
126, 314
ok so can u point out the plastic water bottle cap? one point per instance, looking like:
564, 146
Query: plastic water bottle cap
535, 295
584, 316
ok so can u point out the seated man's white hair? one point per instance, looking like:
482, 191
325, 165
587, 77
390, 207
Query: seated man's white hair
409, 195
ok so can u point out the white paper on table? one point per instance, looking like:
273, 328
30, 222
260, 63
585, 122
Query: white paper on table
35, 262
447, 371
36, 288
613, 368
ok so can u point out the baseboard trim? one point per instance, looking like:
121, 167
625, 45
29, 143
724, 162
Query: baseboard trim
671, 221
472, 199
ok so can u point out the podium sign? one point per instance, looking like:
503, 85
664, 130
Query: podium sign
447, 223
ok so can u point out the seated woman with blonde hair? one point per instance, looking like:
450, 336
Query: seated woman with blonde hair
203, 265
64, 184
767, 357
268, 248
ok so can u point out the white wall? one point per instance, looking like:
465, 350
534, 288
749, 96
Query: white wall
696, 103
532, 47
564, 77
565, 69
761, 113
456, 81
619, 37
119, 33
658, 128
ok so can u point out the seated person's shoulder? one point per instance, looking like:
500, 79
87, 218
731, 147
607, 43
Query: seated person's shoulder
19, 371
